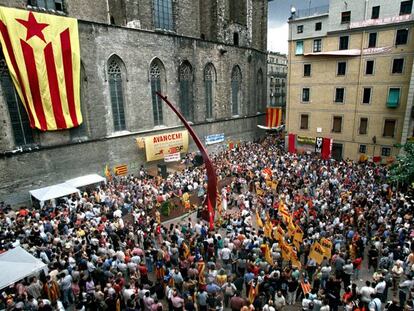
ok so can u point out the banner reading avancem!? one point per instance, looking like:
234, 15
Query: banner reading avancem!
159, 146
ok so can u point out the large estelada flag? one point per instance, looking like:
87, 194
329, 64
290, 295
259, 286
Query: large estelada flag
273, 118
42, 54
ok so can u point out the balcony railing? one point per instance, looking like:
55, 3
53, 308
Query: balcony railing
277, 84
312, 11
277, 74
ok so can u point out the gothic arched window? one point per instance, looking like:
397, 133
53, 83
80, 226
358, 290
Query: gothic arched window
156, 75
163, 14
235, 89
116, 93
186, 91
209, 80
22, 132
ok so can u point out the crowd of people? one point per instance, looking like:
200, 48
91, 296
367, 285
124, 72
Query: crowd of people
99, 261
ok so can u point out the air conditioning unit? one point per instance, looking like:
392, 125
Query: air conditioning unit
134, 24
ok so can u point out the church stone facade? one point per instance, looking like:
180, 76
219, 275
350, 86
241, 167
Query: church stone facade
207, 56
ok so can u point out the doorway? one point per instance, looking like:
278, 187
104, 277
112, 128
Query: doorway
337, 150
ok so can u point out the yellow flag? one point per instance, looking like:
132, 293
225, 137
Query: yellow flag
43, 58
317, 253
267, 254
259, 220
268, 228
291, 228
269, 183
286, 250
280, 233
298, 236
253, 291
327, 247
295, 260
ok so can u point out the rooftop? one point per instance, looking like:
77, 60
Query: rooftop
310, 12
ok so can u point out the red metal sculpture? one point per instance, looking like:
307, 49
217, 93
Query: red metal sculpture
211, 172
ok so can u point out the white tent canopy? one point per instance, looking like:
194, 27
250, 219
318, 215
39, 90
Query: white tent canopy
53, 192
85, 180
16, 264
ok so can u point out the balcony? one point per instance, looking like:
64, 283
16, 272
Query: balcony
319, 10
277, 74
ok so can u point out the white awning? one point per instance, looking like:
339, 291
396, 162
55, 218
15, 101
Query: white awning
85, 180
16, 264
53, 192
279, 128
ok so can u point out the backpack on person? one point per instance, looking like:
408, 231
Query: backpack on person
229, 290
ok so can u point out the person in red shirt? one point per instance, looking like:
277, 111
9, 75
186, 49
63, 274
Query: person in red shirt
357, 266
144, 272
347, 295
23, 212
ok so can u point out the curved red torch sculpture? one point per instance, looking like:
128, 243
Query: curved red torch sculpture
211, 172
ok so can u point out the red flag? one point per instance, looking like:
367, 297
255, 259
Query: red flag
291, 147
326, 148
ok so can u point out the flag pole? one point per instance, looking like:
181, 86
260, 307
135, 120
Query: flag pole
211, 172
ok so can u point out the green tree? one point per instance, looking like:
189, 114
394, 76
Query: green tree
402, 171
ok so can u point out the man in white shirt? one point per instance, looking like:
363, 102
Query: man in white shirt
380, 289
366, 292
225, 254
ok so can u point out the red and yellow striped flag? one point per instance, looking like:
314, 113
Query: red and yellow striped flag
268, 254
253, 291
259, 220
273, 117
121, 170
43, 58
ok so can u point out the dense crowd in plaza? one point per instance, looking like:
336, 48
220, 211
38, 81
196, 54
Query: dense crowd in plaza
98, 261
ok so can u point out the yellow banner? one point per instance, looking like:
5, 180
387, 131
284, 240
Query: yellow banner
327, 247
267, 229
259, 221
278, 233
286, 251
291, 228
259, 192
43, 57
295, 260
161, 145
317, 253
298, 236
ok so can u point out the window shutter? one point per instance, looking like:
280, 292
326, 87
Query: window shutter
393, 98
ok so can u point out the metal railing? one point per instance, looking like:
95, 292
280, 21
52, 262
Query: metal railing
312, 11
277, 73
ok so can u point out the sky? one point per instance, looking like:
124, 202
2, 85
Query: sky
279, 12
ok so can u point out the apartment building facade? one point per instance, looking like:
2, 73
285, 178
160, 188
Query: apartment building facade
276, 79
350, 77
